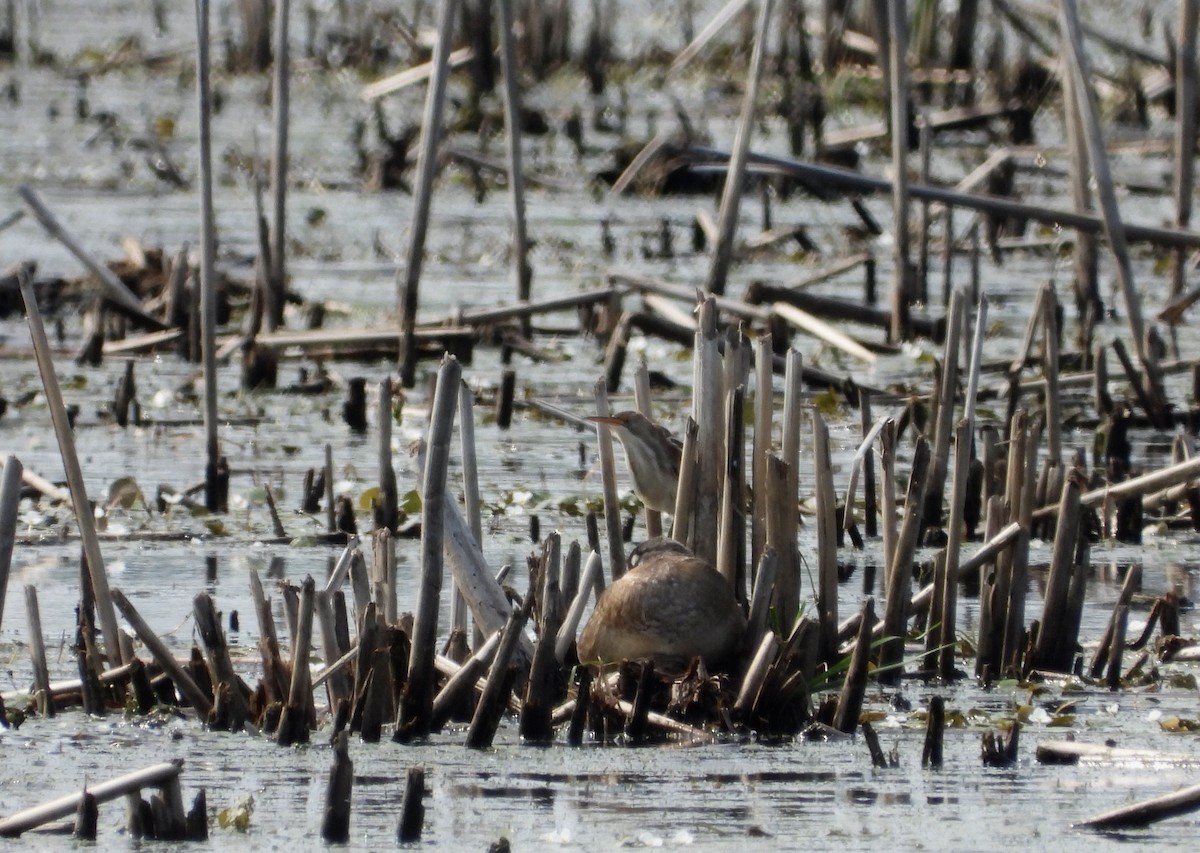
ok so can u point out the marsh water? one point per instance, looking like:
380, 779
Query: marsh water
344, 245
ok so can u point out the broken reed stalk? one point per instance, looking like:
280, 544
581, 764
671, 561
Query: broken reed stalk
827, 573
114, 289
931, 754
332, 652
850, 700
471, 497
731, 532
870, 504
37, 653
735, 176
10, 502
412, 809
516, 175
764, 407
1119, 624
986, 645
608, 473
486, 599
417, 705
499, 681
157, 775
280, 104
899, 570
275, 677
787, 511
201, 702
293, 724
1050, 371
389, 494
766, 649
208, 249
538, 701
760, 600
457, 686
70, 459
1086, 249
335, 823
784, 593
897, 30
887, 469
1053, 651
427, 157
685, 496
1146, 812
1164, 478
716, 25
835, 178
220, 666
958, 497
1021, 503
924, 220
330, 508
570, 624
1133, 582
944, 425
1186, 86
1114, 229
708, 409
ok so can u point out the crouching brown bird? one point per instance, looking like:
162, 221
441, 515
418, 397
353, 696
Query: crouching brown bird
670, 606
653, 455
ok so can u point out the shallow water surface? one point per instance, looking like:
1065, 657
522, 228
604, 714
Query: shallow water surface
345, 242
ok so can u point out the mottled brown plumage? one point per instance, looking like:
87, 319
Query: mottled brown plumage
653, 455
670, 606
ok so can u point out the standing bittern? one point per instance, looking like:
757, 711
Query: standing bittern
653, 455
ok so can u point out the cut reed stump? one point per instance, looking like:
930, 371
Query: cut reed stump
230, 715
851, 699
10, 501
416, 706
294, 723
935, 727
412, 808
335, 825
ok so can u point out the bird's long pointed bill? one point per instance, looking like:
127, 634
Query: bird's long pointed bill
605, 419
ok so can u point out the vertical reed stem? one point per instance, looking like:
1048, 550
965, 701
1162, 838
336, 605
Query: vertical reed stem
735, 177
10, 501
208, 298
827, 574
431, 135
516, 175
280, 98
897, 19
66, 448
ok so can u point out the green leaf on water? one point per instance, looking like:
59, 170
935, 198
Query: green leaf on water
215, 526
368, 498
1179, 724
828, 403
238, 815
410, 502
